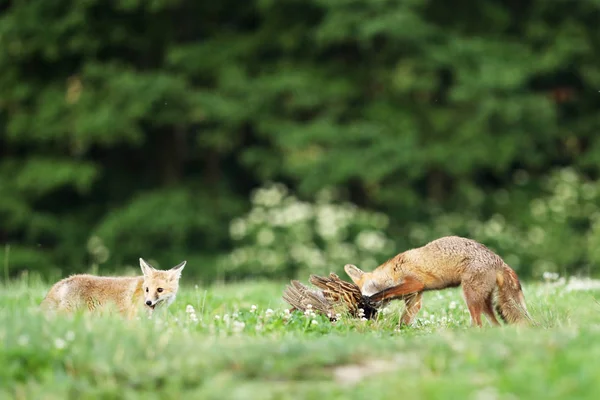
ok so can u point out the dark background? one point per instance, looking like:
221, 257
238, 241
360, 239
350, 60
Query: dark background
141, 128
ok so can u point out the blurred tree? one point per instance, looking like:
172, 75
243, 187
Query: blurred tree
147, 124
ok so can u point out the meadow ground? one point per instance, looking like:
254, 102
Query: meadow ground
236, 342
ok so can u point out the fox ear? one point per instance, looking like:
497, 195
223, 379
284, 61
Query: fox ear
146, 268
176, 270
354, 272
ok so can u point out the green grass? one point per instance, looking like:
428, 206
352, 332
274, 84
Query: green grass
172, 356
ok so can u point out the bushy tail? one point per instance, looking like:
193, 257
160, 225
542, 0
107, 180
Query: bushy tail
510, 303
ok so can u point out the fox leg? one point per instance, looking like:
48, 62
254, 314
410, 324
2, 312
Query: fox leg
475, 304
477, 289
489, 309
413, 305
409, 286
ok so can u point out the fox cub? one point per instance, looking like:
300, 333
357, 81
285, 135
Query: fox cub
128, 294
446, 262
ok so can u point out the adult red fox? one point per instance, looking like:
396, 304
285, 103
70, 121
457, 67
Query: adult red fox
447, 262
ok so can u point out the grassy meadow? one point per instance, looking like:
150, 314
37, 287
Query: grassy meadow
236, 341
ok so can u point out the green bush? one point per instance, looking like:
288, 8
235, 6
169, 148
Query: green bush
556, 231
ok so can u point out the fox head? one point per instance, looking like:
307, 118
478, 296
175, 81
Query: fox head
160, 286
369, 283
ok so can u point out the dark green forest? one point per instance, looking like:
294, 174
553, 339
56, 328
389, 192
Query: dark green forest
267, 138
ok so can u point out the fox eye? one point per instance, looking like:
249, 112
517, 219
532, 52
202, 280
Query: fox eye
159, 290
146, 290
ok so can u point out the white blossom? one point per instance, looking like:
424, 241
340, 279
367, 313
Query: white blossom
59, 343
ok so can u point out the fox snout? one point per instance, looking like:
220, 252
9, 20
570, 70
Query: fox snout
155, 302
151, 304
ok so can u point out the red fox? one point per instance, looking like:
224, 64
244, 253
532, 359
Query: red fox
128, 294
447, 262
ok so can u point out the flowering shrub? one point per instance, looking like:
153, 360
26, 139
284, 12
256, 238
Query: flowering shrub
558, 231
555, 230
283, 236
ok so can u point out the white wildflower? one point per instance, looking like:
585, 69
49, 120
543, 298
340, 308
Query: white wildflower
269, 196
23, 340
536, 235
452, 305
286, 314
576, 284
189, 309
252, 308
217, 317
314, 322
265, 237
371, 240
487, 393
550, 276
309, 313
268, 313
237, 229
257, 217
59, 343
238, 326
361, 313
70, 336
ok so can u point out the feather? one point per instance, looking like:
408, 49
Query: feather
333, 296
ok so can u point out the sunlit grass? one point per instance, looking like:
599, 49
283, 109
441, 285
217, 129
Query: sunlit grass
238, 341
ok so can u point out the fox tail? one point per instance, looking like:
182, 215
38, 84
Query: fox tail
510, 303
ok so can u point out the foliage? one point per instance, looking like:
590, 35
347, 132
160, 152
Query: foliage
237, 341
282, 236
555, 231
148, 124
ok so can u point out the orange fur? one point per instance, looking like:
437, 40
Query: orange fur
409, 285
450, 261
128, 295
